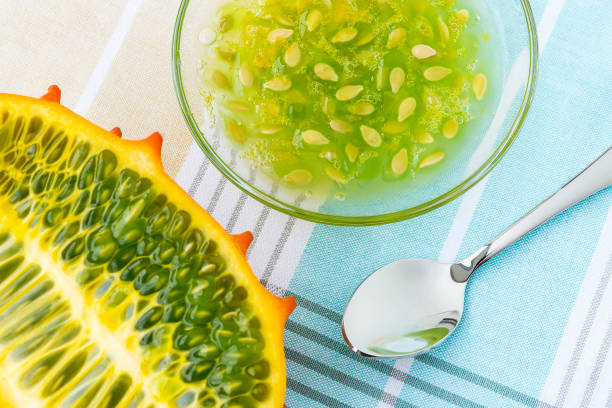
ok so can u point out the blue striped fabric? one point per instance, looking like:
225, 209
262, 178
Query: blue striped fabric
518, 305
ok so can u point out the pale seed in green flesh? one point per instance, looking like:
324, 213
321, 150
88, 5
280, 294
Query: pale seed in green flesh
370, 136
315, 138
278, 84
479, 86
399, 163
422, 51
443, 28
396, 79
283, 20
220, 80
335, 174
293, 55
246, 75
366, 38
238, 106
462, 16
436, 73
270, 130
313, 20
362, 109
406, 109
299, 177
345, 35
279, 35
346, 93
395, 128
396, 38
351, 152
325, 72
237, 131
431, 159
424, 137
340, 126
450, 128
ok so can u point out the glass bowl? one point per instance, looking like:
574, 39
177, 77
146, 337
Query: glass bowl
489, 139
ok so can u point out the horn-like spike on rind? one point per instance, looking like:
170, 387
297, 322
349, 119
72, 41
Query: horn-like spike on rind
155, 141
116, 131
243, 240
54, 94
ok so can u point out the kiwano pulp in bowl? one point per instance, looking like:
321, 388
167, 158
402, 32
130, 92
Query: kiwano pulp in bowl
354, 112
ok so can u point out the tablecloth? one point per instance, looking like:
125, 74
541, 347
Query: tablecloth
537, 329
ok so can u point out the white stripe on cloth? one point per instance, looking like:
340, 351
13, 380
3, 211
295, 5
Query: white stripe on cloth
108, 57
469, 203
579, 315
394, 385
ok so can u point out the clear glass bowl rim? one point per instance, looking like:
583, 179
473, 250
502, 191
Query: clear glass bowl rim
369, 220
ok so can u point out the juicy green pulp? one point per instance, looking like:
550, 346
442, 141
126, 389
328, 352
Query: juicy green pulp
139, 264
241, 37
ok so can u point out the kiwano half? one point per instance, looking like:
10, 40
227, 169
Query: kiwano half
116, 288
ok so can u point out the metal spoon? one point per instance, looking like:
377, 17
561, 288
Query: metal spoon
412, 305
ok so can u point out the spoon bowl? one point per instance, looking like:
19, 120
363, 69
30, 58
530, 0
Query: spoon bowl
421, 306
412, 305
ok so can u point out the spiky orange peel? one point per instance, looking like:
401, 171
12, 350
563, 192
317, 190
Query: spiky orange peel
131, 293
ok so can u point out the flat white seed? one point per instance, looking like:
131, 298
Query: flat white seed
395, 128
424, 137
351, 152
207, 36
346, 93
238, 106
340, 126
462, 16
406, 109
278, 84
422, 51
396, 79
220, 80
325, 72
479, 86
279, 34
370, 136
450, 128
293, 55
431, 159
443, 29
366, 38
362, 109
236, 131
315, 138
283, 20
345, 35
380, 78
246, 75
299, 177
436, 73
313, 20
335, 174
270, 131
399, 163
396, 38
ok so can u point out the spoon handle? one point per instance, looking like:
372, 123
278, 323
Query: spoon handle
594, 178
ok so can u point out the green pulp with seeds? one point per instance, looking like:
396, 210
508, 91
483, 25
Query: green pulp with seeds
79, 227
320, 91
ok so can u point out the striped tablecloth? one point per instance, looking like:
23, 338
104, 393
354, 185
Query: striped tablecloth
537, 330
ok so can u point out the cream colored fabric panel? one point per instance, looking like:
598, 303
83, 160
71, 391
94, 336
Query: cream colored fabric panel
53, 41
137, 94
